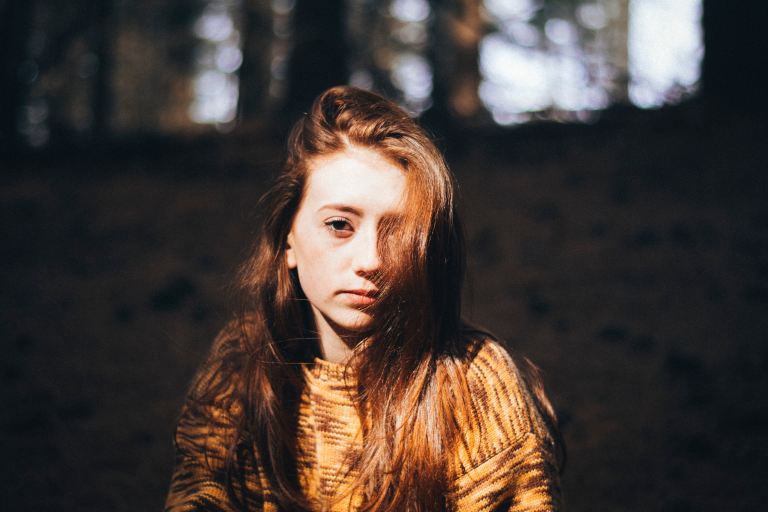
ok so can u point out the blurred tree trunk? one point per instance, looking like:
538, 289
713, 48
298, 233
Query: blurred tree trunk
255, 71
618, 48
15, 22
319, 57
457, 35
736, 53
102, 30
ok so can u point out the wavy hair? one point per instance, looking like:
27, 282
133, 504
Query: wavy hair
410, 366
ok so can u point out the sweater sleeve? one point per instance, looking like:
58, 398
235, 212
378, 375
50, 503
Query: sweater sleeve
199, 481
508, 459
203, 436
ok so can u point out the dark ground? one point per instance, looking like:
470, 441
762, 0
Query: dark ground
629, 259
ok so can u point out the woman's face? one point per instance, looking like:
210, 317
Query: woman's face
333, 243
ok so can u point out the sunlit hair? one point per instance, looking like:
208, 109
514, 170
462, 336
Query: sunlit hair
410, 366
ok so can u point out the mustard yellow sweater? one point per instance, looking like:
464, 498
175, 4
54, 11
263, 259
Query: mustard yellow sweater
506, 463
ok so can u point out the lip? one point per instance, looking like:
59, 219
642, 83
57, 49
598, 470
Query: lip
360, 297
366, 293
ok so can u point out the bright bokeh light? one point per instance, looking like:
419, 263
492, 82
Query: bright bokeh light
563, 67
214, 25
576, 93
515, 78
228, 58
561, 32
410, 72
592, 15
219, 56
523, 34
665, 49
412, 11
512, 10
216, 96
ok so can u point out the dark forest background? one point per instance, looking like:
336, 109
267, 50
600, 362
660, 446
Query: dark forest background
627, 256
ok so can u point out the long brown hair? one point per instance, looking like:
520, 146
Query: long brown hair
410, 366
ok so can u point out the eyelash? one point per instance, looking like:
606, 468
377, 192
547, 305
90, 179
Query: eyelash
340, 232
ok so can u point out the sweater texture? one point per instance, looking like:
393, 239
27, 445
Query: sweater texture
505, 462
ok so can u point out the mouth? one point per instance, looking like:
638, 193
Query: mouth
360, 297
365, 293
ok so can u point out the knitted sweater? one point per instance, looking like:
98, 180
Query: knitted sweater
506, 461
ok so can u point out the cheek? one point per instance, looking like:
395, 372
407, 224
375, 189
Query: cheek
314, 264
309, 248
315, 279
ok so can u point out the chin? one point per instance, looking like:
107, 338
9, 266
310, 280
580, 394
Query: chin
355, 321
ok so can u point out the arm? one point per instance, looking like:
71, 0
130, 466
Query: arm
510, 460
521, 478
204, 436
199, 476
535, 477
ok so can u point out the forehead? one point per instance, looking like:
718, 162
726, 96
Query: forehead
356, 177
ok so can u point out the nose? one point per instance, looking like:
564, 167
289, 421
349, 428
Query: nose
366, 257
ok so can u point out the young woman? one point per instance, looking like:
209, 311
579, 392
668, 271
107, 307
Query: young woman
349, 381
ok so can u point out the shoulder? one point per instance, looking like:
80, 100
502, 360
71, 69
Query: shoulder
492, 358
503, 410
218, 382
507, 453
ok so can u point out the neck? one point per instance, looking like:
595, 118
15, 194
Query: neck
335, 345
335, 351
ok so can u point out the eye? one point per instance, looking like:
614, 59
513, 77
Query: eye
339, 227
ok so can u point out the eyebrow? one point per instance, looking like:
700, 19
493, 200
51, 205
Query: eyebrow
342, 208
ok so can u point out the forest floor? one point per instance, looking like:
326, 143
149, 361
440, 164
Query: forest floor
629, 259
